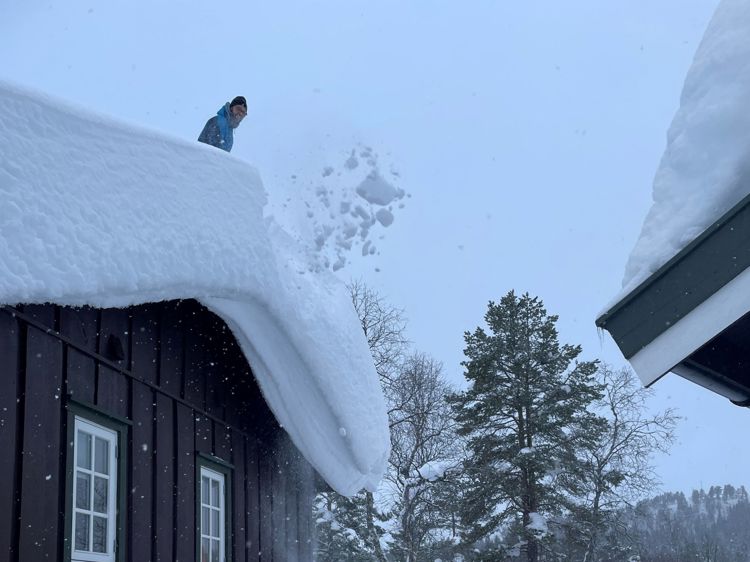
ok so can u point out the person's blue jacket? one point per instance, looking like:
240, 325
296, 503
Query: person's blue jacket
218, 131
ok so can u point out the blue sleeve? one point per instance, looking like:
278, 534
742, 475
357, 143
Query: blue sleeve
211, 134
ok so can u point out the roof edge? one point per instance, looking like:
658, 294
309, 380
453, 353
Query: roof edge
644, 285
671, 348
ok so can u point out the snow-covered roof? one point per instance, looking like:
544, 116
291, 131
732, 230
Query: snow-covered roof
96, 212
708, 145
703, 173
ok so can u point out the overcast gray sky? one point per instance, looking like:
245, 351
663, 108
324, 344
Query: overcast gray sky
526, 133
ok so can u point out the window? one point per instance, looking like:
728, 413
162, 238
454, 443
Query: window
94, 492
213, 515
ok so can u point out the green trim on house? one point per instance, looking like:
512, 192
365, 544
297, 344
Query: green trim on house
220, 465
120, 426
84, 409
227, 469
699, 270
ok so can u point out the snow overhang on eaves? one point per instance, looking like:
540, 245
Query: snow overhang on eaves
101, 213
687, 317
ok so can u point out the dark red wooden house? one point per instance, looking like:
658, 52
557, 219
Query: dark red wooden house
170, 381
150, 411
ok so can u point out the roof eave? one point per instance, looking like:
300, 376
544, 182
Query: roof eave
698, 293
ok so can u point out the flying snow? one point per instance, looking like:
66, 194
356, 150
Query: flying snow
343, 208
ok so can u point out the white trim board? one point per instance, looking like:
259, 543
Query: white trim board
700, 325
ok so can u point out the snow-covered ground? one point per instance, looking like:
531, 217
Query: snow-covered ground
97, 212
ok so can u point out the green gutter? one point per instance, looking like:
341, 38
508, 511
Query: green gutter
696, 272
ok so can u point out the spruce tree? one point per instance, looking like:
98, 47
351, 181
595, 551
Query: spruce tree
343, 532
525, 416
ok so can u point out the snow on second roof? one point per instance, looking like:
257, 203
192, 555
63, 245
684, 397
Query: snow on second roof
95, 212
704, 170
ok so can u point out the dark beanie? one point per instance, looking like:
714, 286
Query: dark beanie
239, 100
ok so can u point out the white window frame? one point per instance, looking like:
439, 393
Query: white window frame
213, 476
111, 436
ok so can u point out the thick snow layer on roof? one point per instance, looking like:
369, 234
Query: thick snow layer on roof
95, 212
708, 145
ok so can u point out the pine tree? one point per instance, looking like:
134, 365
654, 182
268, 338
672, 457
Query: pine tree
525, 416
342, 529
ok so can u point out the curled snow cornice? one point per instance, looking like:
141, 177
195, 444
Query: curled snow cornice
98, 212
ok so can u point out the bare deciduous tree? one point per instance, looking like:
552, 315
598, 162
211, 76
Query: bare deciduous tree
425, 452
618, 468
384, 326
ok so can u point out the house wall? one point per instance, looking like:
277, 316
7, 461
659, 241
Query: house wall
185, 389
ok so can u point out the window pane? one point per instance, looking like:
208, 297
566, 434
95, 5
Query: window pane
215, 551
214, 493
83, 490
100, 534
215, 523
205, 520
204, 550
84, 450
205, 483
82, 531
101, 455
100, 494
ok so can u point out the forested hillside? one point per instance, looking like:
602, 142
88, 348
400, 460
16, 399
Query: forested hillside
708, 526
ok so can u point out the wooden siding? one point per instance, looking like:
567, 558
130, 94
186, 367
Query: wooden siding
175, 372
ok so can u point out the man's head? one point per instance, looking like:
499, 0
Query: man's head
237, 111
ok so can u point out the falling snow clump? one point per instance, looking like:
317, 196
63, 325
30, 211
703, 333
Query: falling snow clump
343, 211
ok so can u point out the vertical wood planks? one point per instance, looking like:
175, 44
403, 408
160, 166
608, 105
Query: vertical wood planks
278, 502
204, 435
305, 498
164, 479
142, 472
80, 326
265, 488
43, 463
10, 343
289, 468
114, 344
239, 519
186, 352
195, 358
185, 524
145, 343
252, 495
214, 371
223, 442
172, 344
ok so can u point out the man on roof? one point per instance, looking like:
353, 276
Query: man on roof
219, 130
